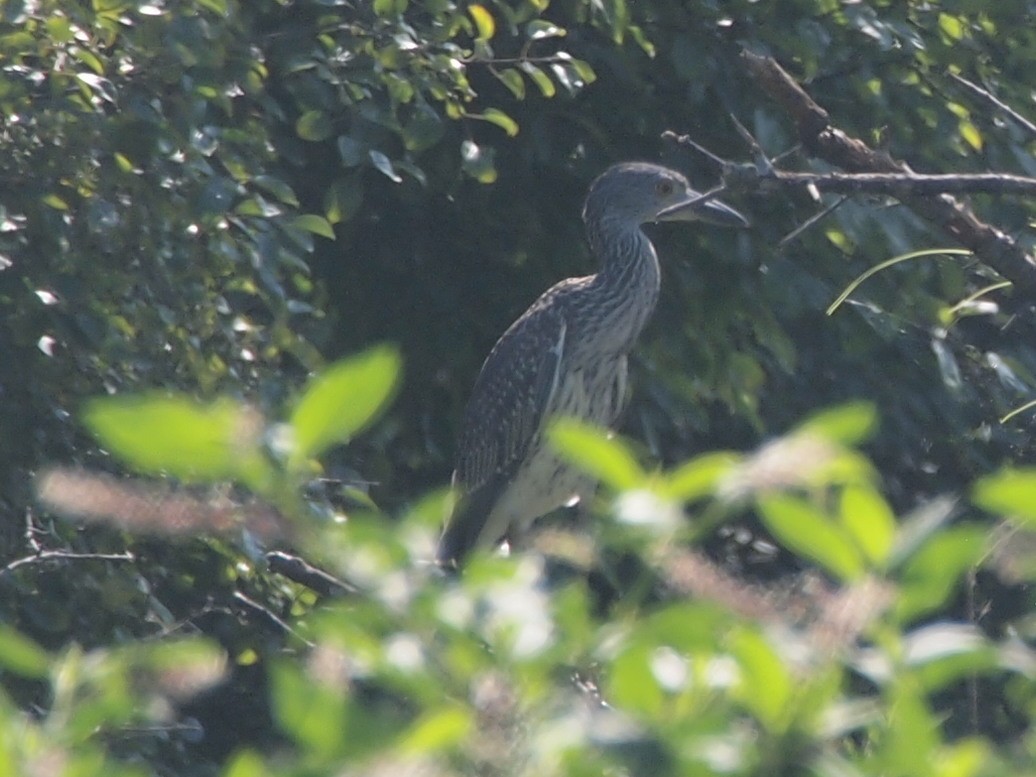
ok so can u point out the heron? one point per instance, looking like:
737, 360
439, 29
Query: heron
566, 356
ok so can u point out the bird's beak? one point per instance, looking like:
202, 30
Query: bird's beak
711, 211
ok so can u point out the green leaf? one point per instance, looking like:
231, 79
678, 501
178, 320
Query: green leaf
1010, 492
513, 80
341, 400
313, 714
765, 686
246, 764
699, 477
483, 21
596, 453
541, 79
318, 225
22, 656
870, 521
314, 126
499, 118
179, 436
929, 576
848, 424
803, 529
437, 730
631, 685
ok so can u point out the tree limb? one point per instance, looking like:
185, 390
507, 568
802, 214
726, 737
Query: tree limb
825, 141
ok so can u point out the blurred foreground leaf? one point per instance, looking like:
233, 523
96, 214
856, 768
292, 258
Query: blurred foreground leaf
341, 400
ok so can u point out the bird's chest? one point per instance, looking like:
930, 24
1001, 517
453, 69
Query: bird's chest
594, 392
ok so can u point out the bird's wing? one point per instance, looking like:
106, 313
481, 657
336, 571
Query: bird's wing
503, 421
506, 410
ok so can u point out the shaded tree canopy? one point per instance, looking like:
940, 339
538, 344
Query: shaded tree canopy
217, 199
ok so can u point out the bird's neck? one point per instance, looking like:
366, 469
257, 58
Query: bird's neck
626, 287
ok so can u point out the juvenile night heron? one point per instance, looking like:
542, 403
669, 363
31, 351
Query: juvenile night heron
565, 356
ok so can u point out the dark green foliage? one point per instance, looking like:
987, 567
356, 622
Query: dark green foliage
202, 202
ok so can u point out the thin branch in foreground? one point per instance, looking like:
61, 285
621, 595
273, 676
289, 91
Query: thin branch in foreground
49, 556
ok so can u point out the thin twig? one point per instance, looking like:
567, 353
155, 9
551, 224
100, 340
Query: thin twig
996, 102
46, 556
812, 220
267, 613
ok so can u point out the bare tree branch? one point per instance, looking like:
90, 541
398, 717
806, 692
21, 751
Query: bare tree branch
825, 141
995, 102
47, 556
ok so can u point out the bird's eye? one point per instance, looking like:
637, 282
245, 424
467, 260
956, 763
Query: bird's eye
664, 188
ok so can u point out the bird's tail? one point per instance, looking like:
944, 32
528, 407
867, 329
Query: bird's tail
466, 527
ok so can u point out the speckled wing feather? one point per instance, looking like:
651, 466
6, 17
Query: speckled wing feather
503, 419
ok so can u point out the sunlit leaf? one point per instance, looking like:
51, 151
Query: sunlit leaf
928, 577
765, 686
699, 477
438, 729
598, 454
179, 436
1010, 492
21, 656
342, 400
541, 79
314, 715
869, 520
804, 529
500, 119
318, 225
848, 424
483, 21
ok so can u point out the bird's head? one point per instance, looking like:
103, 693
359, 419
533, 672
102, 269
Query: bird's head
639, 192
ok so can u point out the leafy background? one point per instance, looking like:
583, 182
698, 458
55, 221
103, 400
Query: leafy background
219, 198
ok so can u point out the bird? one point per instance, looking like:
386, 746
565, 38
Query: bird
566, 356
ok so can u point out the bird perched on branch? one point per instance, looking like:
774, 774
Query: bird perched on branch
565, 356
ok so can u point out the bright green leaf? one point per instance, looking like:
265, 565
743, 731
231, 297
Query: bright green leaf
500, 119
438, 729
483, 21
597, 453
318, 225
929, 576
849, 424
971, 134
869, 520
951, 26
22, 656
699, 477
541, 79
765, 686
176, 435
1011, 493
804, 529
342, 400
